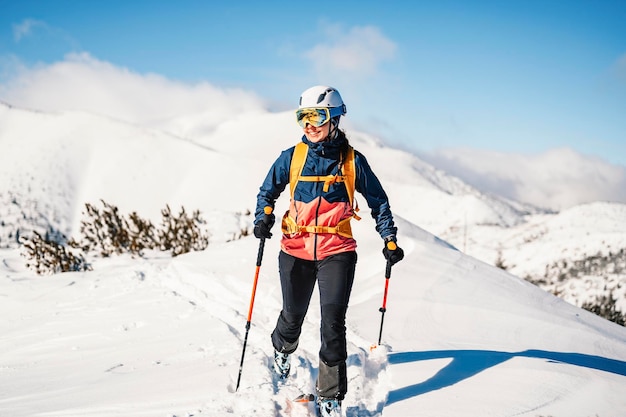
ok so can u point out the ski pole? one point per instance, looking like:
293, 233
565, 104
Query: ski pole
259, 258
383, 309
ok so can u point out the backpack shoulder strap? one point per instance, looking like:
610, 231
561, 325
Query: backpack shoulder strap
297, 163
349, 172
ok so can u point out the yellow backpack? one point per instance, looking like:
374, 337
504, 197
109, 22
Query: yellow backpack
348, 170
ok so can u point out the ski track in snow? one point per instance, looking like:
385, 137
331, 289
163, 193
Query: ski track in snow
181, 321
366, 370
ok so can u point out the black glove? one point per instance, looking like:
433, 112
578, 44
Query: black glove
262, 227
392, 252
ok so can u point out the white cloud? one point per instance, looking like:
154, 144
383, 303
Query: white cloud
48, 37
360, 51
26, 28
83, 83
556, 179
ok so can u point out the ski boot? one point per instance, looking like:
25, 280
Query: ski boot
282, 364
329, 407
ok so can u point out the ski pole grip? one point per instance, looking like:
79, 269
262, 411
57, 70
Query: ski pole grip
267, 218
388, 270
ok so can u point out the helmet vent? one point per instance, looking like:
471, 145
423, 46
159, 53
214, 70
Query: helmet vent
323, 95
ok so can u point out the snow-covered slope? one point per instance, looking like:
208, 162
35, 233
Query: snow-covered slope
161, 336
53, 163
64, 160
579, 253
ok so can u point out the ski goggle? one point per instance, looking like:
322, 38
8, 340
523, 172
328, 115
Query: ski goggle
314, 116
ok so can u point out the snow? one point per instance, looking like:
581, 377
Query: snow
162, 336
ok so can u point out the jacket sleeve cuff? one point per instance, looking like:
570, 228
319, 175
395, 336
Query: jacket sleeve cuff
390, 238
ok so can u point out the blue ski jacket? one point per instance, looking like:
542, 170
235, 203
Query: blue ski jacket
310, 205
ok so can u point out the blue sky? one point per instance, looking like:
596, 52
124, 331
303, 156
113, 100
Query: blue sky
508, 76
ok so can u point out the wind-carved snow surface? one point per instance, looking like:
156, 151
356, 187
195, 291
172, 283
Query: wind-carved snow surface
162, 336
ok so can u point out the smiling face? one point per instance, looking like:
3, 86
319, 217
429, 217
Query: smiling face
317, 134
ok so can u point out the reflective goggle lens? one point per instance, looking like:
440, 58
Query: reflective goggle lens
314, 117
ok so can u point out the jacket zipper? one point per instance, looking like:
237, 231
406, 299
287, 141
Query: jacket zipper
317, 213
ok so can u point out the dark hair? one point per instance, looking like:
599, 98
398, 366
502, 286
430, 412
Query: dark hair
345, 144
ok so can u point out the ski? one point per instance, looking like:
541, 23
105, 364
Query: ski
304, 398
303, 405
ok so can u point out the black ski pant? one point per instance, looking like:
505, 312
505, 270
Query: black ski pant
334, 276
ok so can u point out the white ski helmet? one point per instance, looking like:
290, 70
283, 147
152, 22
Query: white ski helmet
322, 96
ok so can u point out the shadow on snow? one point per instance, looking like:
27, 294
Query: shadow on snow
467, 363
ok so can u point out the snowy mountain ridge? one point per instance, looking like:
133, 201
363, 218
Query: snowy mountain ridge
38, 163
54, 163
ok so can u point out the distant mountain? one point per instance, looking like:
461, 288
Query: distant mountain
578, 254
51, 164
